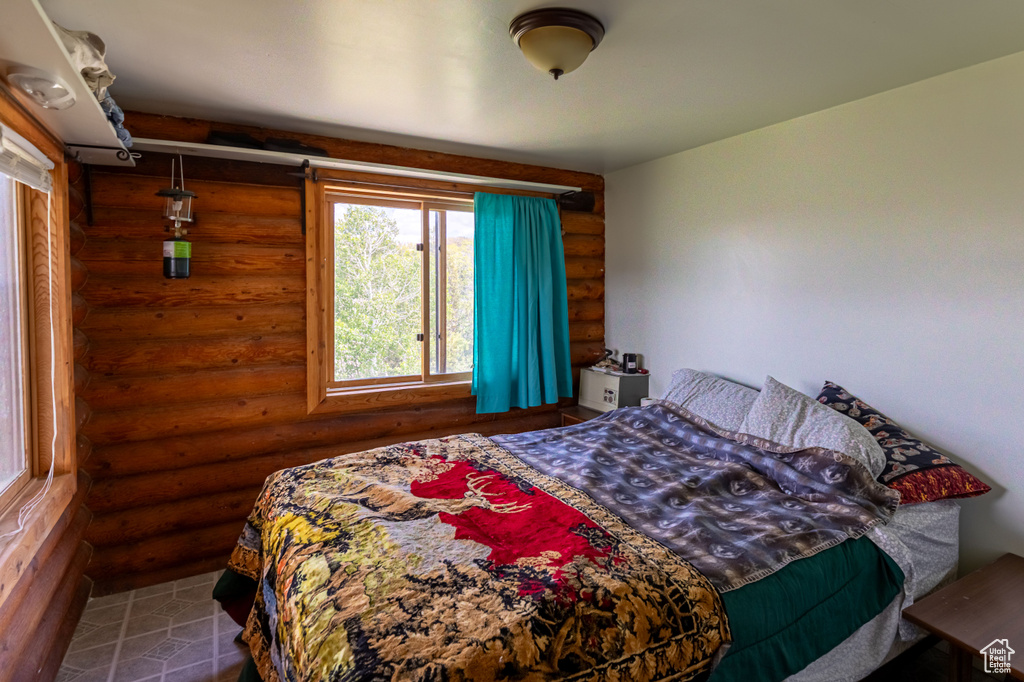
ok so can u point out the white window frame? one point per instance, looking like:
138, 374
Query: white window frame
27, 455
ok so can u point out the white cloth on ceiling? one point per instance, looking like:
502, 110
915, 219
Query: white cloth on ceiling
88, 55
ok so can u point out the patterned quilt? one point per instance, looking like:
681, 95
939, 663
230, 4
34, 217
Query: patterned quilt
451, 559
736, 507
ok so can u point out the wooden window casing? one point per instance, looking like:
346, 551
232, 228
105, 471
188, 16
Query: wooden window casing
51, 431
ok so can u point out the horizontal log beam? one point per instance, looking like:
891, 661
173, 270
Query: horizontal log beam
82, 413
199, 290
584, 268
162, 356
122, 392
79, 273
590, 311
142, 258
156, 553
182, 451
79, 344
76, 238
574, 222
193, 450
82, 377
164, 421
586, 353
186, 567
139, 192
159, 487
209, 228
79, 309
583, 245
134, 525
83, 449
585, 290
218, 170
586, 331
104, 324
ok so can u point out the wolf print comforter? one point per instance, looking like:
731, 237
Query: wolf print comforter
736, 507
451, 559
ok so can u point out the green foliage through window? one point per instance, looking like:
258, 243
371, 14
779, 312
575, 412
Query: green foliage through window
378, 274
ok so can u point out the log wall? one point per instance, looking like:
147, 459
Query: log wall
195, 389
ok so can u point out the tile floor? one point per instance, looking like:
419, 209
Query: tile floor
172, 632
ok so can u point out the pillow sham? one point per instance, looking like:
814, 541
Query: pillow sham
720, 401
919, 472
788, 417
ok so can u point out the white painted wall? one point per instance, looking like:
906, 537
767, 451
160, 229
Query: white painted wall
879, 244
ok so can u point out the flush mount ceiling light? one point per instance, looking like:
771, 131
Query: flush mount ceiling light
45, 89
556, 40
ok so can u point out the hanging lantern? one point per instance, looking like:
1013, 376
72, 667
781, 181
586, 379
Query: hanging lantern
178, 209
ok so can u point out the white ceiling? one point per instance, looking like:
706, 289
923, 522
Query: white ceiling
444, 75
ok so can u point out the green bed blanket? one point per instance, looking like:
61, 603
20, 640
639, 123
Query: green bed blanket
783, 622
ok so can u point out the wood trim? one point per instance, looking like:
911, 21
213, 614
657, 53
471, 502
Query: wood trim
17, 552
324, 393
49, 278
377, 397
14, 489
425, 189
380, 397
317, 364
339, 194
15, 115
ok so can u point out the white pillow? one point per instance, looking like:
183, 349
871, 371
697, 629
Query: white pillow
788, 417
720, 401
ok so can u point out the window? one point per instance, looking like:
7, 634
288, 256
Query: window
37, 421
388, 323
402, 294
14, 385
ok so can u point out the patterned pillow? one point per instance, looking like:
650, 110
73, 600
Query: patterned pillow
919, 472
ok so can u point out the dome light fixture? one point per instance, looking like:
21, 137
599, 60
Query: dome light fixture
45, 89
556, 40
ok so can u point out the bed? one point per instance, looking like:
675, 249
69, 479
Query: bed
671, 541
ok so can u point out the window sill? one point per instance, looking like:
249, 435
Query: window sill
365, 398
17, 552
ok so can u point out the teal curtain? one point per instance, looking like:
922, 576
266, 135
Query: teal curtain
521, 314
